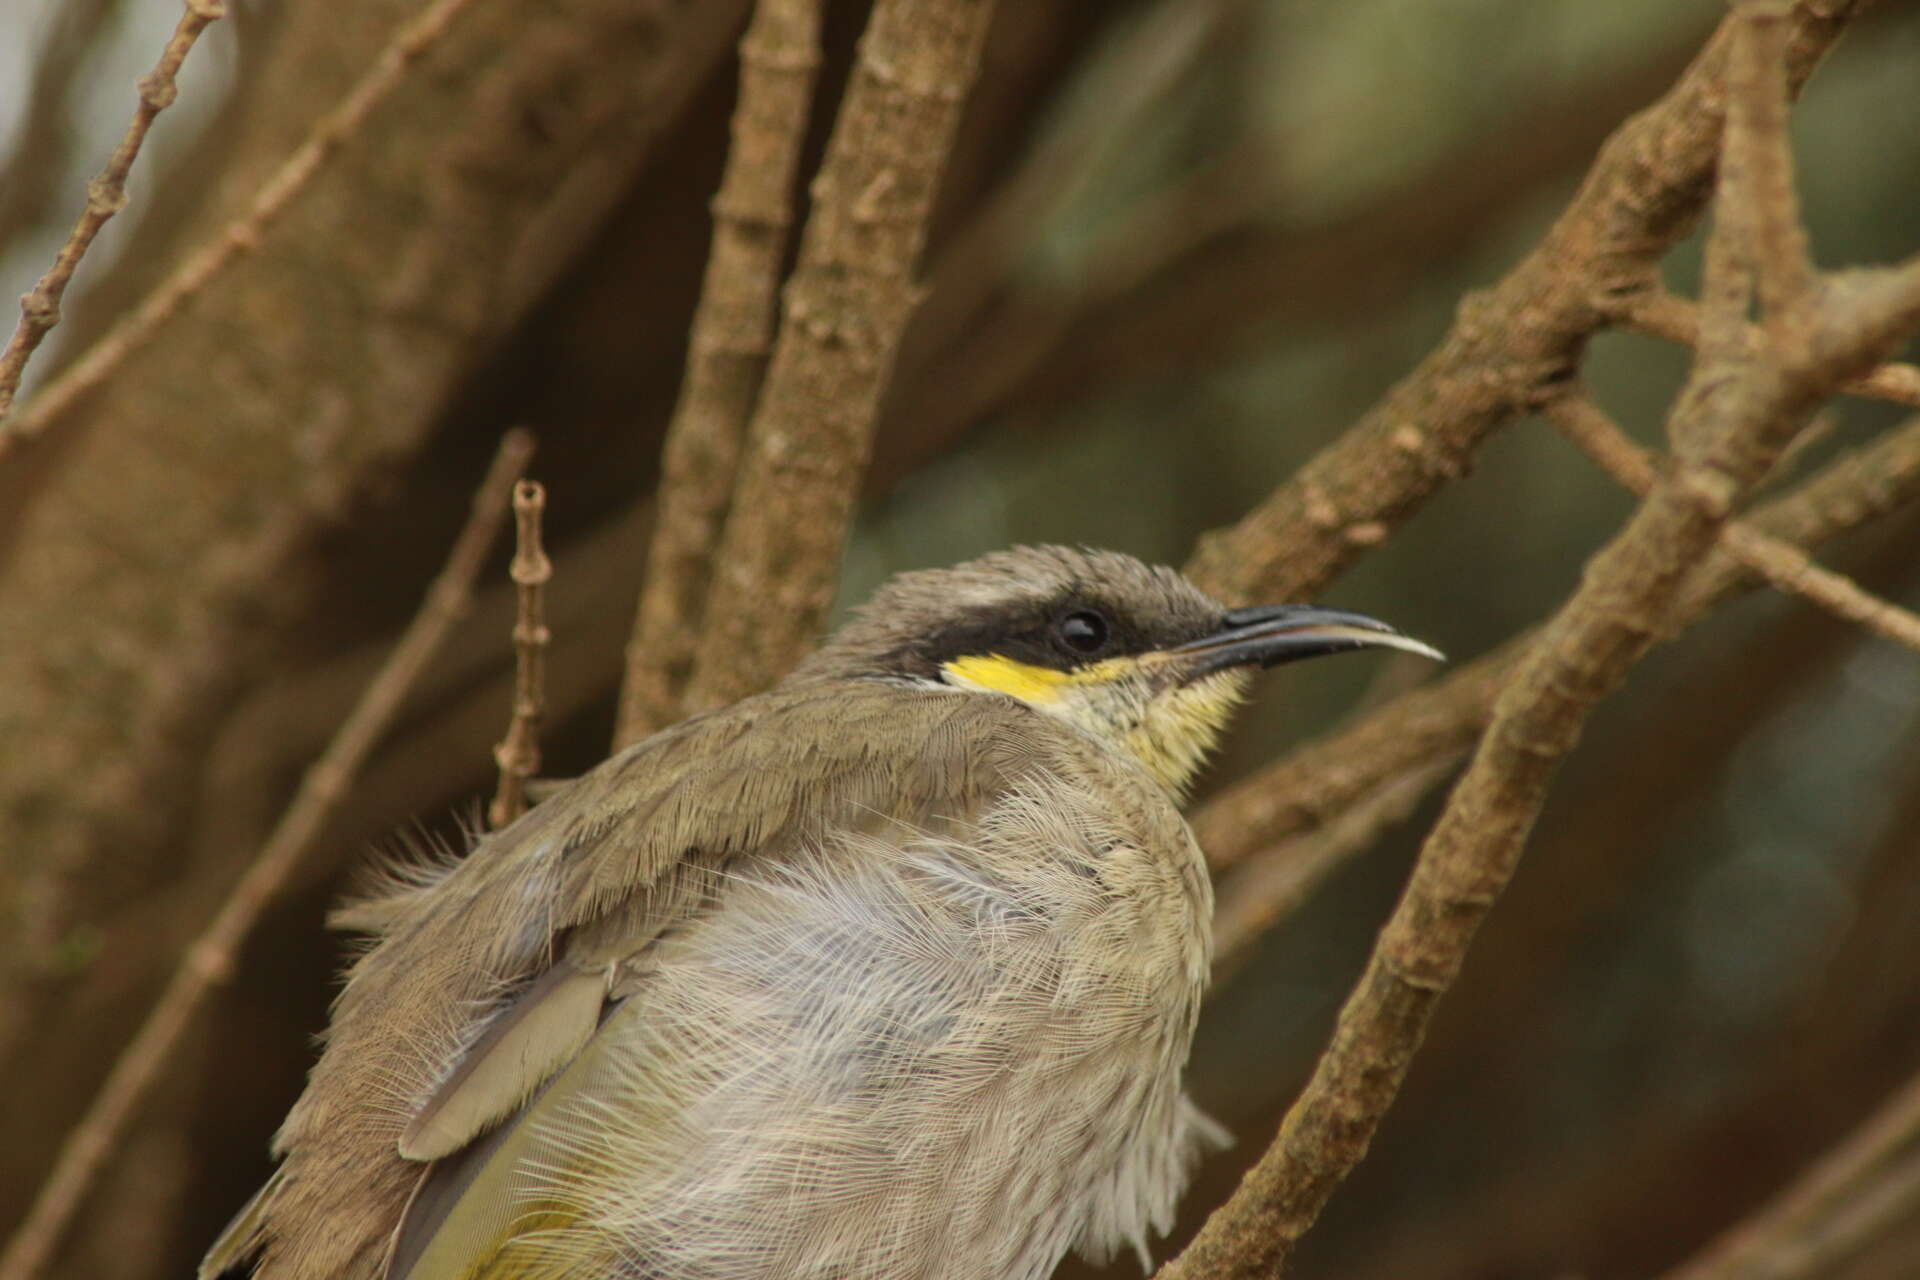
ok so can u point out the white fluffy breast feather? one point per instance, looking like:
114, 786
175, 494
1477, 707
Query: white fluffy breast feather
871, 1059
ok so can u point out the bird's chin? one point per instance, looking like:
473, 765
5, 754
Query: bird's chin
1181, 725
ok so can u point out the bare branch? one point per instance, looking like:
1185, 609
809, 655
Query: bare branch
175, 519
1732, 422
1510, 345
208, 962
239, 238
1782, 564
1274, 883
726, 358
106, 196
1866, 1185
1757, 162
1662, 315
518, 754
846, 306
44, 137
1310, 788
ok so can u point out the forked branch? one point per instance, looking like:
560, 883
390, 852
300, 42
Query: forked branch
726, 358
846, 307
1731, 424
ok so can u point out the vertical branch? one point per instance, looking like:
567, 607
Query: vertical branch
518, 754
726, 357
106, 196
208, 962
846, 307
1760, 149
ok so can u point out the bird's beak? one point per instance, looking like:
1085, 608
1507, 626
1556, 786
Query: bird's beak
1272, 634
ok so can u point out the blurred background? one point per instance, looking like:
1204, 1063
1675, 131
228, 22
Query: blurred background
1181, 246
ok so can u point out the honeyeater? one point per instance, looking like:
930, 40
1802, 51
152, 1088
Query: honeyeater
888, 973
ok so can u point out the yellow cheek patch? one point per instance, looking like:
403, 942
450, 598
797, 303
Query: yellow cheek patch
1037, 685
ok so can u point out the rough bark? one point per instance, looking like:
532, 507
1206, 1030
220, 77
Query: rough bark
165, 553
845, 310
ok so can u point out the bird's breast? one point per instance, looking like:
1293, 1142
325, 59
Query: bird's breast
950, 1055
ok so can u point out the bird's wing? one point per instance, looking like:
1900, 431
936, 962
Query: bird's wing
451, 1020
758, 1078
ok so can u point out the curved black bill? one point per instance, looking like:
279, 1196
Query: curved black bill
1272, 634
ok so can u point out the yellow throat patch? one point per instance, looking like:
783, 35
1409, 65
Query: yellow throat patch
1169, 730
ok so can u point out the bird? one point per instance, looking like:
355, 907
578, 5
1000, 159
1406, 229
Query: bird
889, 971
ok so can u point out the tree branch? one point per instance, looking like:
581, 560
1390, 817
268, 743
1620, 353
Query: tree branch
849, 300
1510, 344
1843, 1204
181, 536
518, 754
208, 963
1782, 564
1732, 422
106, 196
1272, 884
43, 139
1660, 314
726, 358
240, 237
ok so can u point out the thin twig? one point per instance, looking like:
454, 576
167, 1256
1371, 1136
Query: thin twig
845, 309
208, 962
1733, 421
1831, 1213
106, 196
1785, 566
44, 137
518, 754
726, 357
239, 237
1660, 314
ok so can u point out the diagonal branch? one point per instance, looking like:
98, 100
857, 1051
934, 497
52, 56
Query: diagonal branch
1510, 344
208, 963
1734, 419
846, 307
238, 239
44, 134
1662, 315
1846, 1202
106, 196
1782, 564
726, 357
1308, 789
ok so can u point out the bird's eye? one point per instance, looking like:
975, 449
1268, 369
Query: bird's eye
1083, 631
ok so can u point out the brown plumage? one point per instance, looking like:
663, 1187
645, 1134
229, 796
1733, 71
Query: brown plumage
888, 972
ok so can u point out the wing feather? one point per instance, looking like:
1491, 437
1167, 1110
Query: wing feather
594, 871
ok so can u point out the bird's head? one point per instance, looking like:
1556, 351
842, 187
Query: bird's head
1133, 654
